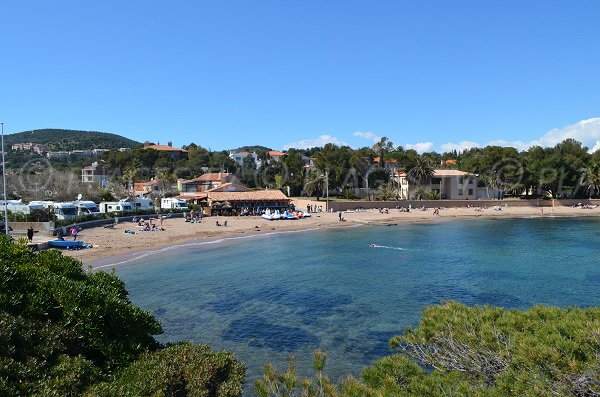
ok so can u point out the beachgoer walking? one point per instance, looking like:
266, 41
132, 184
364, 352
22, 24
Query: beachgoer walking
30, 233
74, 233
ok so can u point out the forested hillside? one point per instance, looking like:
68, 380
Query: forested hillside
58, 139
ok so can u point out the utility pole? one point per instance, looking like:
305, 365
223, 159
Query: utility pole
327, 190
4, 183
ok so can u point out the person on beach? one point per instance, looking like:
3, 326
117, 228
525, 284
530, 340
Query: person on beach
74, 233
30, 233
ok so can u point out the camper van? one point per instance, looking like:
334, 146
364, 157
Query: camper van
14, 206
64, 211
173, 203
87, 208
115, 206
140, 203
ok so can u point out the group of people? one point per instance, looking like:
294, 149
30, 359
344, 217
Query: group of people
313, 208
148, 225
193, 216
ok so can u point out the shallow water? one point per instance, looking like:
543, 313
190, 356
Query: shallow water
268, 296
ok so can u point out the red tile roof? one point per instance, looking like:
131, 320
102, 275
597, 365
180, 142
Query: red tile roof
165, 148
275, 153
256, 195
210, 177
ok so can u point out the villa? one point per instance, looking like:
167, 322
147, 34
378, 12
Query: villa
205, 182
450, 184
176, 153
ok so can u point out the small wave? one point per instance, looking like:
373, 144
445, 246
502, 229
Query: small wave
195, 243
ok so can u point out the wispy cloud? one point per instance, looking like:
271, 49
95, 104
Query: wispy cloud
460, 146
315, 142
369, 136
420, 147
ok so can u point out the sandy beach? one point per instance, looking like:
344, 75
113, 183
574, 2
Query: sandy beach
115, 242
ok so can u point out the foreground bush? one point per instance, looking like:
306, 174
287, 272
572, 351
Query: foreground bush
63, 330
471, 351
179, 370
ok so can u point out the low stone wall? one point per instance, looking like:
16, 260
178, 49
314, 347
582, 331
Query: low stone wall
40, 227
103, 222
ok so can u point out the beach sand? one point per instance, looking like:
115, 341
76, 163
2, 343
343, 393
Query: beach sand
114, 242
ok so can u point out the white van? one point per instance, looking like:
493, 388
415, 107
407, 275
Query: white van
172, 203
115, 206
87, 208
65, 211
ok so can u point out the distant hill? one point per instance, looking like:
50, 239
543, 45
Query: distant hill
57, 139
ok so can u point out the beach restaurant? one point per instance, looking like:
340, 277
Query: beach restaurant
250, 202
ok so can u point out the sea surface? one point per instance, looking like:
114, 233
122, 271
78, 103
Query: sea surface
267, 296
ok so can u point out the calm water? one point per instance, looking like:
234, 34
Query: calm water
267, 296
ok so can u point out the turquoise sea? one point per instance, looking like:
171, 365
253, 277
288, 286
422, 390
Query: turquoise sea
267, 296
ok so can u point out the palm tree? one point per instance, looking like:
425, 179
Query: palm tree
421, 172
387, 191
591, 180
132, 173
165, 178
315, 182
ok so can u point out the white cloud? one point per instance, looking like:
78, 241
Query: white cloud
460, 146
316, 142
420, 147
369, 136
585, 131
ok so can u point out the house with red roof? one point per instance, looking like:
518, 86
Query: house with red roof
176, 153
449, 184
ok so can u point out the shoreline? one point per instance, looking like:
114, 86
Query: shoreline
110, 245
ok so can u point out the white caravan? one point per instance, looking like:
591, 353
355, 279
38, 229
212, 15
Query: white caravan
87, 207
115, 206
65, 211
173, 203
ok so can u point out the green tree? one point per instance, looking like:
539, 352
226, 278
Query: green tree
384, 145
316, 182
421, 172
166, 180
248, 171
63, 330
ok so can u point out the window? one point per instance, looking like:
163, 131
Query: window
470, 181
436, 181
461, 180
460, 192
470, 192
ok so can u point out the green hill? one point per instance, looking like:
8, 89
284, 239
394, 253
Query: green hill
58, 139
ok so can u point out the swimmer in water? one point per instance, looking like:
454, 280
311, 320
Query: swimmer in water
374, 246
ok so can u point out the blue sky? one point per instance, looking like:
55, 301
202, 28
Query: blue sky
432, 75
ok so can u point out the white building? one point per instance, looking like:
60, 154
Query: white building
450, 184
94, 174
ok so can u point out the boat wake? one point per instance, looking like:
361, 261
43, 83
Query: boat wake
387, 247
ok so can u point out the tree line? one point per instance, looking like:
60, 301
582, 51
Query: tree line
563, 171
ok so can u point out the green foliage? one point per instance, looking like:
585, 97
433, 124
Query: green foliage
473, 351
63, 330
179, 370
66, 140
